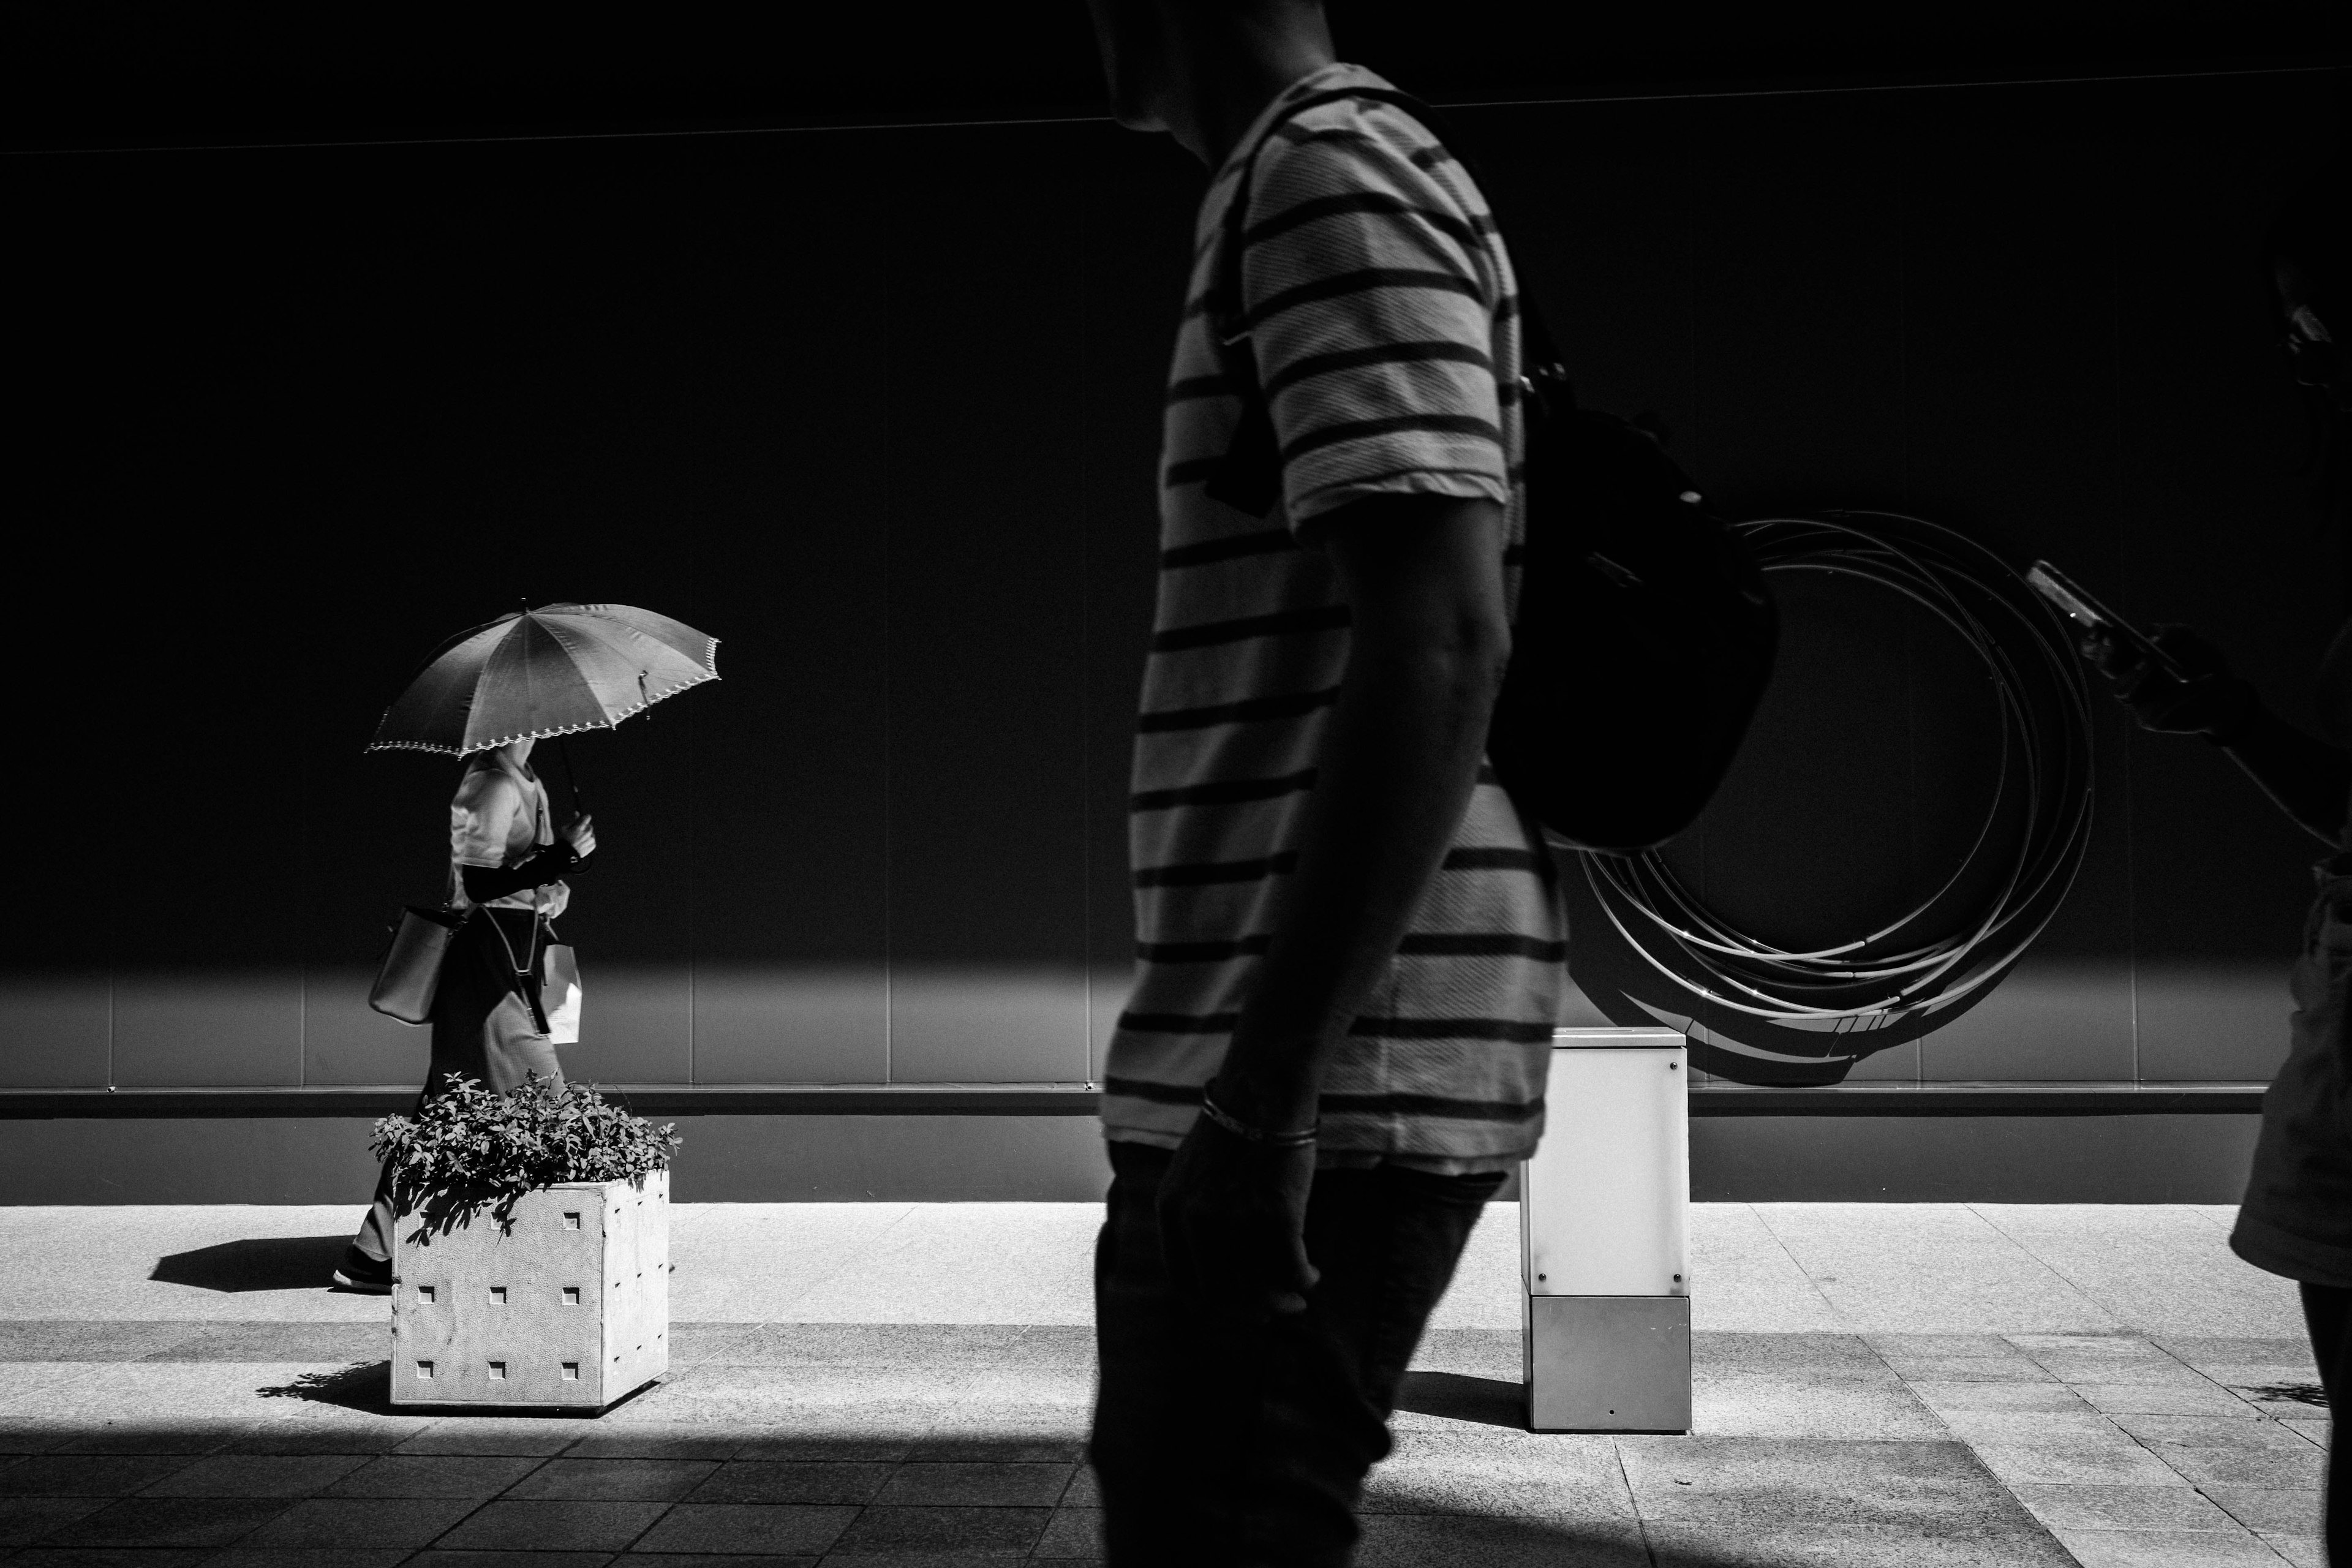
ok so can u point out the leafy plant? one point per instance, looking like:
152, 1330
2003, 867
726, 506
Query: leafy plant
469, 1147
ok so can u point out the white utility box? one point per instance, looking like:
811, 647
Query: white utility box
565, 1304
1603, 1230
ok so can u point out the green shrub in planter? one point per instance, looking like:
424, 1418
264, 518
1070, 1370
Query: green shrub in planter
533, 1264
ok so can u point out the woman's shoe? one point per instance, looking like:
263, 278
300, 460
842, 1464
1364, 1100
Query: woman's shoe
364, 1275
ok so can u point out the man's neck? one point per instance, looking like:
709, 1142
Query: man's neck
1226, 79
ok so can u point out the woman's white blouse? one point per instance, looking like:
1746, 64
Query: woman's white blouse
500, 818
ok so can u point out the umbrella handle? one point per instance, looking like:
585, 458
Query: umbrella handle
570, 779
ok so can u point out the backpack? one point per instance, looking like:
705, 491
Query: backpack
1645, 633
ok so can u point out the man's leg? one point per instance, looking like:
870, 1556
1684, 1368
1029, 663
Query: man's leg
1248, 1444
1149, 1439
1385, 1242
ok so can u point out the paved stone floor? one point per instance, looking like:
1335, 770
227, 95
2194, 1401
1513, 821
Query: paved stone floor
884, 1385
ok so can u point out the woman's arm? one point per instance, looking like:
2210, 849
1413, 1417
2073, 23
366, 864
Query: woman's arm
485, 883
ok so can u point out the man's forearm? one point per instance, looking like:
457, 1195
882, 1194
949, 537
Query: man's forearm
1397, 766
2307, 778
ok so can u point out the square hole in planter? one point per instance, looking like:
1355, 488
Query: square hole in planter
498, 1295
571, 1295
572, 1222
571, 1372
498, 1372
425, 1369
424, 1292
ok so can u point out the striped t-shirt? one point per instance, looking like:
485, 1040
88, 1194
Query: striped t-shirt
1381, 310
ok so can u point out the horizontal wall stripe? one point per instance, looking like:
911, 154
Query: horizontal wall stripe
1192, 471
1337, 1105
1392, 425
1252, 710
1481, 944
1201, 952
1204, 873
1264, 542
1179, 1023
1428, 1105
1233, 792
1285, 622
1499, 860
1432, 351
1194, 386
1511, 1030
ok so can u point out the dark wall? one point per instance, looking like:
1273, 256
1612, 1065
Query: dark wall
878, 408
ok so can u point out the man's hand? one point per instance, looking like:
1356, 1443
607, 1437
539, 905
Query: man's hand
2204, 699
1233, 1216
1423, 577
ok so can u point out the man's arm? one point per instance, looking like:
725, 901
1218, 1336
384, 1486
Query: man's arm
1423, 576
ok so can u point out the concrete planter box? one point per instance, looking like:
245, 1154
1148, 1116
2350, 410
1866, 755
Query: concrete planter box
567, 1304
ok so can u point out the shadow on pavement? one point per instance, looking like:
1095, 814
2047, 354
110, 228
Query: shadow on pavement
266, 1263
1458, 1396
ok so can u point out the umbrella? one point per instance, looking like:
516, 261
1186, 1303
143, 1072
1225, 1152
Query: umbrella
555, 671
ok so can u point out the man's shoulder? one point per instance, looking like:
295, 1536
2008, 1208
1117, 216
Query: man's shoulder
1354, 145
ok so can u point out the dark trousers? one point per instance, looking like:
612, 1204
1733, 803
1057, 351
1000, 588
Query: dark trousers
484, 1027
1224, 1446
2327, 1311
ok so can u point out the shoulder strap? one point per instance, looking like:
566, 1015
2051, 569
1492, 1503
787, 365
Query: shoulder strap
1249, 476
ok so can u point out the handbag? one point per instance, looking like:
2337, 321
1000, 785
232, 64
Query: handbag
558, 993
411, 971
1644, 634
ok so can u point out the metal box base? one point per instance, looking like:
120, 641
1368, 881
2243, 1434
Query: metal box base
1609, 1364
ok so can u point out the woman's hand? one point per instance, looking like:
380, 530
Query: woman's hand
580, 834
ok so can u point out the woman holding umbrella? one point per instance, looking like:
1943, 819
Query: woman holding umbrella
505, 866
490, 694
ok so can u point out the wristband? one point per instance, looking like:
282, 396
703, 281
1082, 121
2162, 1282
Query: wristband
1259, 1135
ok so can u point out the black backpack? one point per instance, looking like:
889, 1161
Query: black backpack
1645, 633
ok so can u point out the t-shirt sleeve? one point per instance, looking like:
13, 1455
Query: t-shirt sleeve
481, 817
1370, 302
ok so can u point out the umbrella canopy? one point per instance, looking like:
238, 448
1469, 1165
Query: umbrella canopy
550, 671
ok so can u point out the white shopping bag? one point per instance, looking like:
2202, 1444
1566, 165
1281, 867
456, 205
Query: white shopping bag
559, 995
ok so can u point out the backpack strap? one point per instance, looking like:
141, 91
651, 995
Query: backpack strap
1249, 477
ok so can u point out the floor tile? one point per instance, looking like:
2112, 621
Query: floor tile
981, 1485
708, 1560
325, 1436
747, 1528
27, 1518
1947, 1398
885, 1528
433, 1476
617, 1480
2165, 1548
1072, 1533
87, 1475
466, 1434
440, 1559
2199, 1397
110, 1557
567, 1526
2280, 1510
2097, 1507
1683, 1544
324, 1523
168, 1522
257, 1475
2076, 1459
1917, 1484
657, 1442
790, 1480
2301, 1551
2229, 1451
1417, 1540
308, 1557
